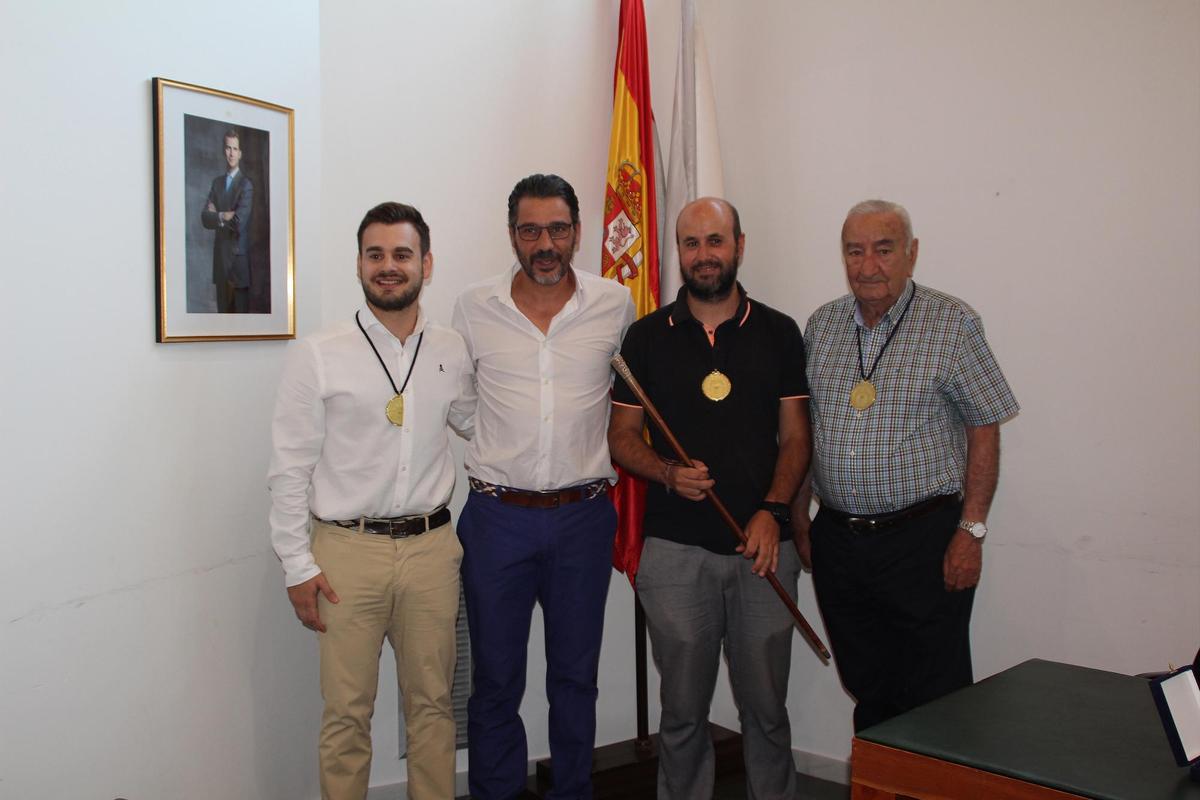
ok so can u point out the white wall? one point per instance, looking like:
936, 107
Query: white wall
446, 106
145, 646
1050, 154
1040, 148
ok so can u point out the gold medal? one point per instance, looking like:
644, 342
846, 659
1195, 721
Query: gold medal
716, 386
395, 410
862, 396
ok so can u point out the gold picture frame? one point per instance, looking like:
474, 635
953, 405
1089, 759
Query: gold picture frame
224, 208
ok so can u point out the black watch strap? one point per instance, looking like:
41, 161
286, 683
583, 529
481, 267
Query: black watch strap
780, 511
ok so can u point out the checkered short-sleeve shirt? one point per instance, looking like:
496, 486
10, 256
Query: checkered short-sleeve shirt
936, 376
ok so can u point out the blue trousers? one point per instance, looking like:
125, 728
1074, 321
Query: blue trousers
512, 558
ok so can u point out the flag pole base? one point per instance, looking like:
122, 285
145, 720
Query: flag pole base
628, 770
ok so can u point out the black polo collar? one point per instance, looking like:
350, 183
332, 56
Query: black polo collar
681, 312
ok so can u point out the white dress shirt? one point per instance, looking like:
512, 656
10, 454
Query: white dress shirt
542, 421
337, 456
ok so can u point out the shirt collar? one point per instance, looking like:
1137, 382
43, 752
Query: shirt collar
682, 312
891, 314
368, 319
233, 174
502, 288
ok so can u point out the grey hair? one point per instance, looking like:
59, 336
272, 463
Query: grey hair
887, 207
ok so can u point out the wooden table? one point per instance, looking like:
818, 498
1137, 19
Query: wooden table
1040, 730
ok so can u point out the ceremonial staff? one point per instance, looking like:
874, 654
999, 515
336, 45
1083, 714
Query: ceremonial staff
622, 369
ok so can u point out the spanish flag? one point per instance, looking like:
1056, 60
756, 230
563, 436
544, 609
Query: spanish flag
630, 247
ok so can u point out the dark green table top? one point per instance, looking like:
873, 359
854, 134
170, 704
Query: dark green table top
1081, 730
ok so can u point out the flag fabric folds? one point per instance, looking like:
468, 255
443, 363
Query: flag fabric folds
694, 154
630, 246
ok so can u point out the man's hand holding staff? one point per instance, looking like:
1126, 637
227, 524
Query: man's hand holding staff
690, 479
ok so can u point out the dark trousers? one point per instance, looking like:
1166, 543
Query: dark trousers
231, 300
514, 557
899, 638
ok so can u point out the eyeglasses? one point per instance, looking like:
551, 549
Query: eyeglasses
531, 233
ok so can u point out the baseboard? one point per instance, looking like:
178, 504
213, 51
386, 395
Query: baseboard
824, 767
393, 791
399, 791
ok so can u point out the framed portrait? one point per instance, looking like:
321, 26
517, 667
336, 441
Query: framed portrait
224, 209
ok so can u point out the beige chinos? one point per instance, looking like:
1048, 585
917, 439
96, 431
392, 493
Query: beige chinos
407, 591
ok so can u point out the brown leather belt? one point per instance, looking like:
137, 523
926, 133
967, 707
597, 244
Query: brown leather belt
880, 522
395, 527
554, 498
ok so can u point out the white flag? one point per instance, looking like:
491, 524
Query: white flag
694, 157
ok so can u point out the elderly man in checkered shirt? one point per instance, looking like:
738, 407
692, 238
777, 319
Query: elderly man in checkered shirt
907, 401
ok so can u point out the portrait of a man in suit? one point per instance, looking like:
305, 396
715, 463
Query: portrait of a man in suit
227, 213
227, 218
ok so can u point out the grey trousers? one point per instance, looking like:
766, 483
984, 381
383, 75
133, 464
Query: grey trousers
695, 601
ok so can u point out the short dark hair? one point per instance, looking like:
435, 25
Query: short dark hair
542, 186
391, 213
232, 134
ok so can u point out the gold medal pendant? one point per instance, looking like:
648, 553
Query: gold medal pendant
395, 407
862, 396
716, 386
395, 410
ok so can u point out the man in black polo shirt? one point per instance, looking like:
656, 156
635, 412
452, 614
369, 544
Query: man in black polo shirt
727, 374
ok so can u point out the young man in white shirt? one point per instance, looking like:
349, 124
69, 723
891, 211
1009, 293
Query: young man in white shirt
361, 448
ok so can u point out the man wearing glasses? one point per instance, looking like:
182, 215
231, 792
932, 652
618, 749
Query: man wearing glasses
538, 526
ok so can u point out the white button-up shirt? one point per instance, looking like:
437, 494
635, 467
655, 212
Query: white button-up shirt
542, 421
337, 456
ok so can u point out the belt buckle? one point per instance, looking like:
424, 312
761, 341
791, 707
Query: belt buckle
404, 534
861, 525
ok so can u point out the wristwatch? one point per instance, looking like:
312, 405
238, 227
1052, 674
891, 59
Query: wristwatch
976, 529
780, 511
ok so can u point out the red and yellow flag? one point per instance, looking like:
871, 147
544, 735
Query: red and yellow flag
630, 247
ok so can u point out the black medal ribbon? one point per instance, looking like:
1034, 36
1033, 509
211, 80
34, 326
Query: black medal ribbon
413, 363
718, 357
866, 376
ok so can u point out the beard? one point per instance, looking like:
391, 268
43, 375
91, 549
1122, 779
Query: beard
544, 278
408, 294
716, 287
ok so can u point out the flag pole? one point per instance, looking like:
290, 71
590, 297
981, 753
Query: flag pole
643, 744
630, 254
